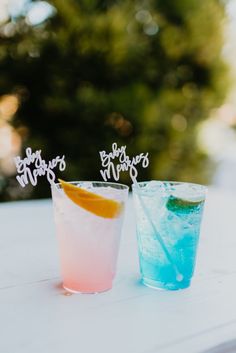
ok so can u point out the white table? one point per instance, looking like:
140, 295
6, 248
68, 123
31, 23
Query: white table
37, 317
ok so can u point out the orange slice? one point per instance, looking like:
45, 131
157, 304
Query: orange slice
91, 202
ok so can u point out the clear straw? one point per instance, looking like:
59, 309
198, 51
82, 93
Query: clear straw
179, 276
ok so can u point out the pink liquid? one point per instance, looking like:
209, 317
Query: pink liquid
88, 246
88, 265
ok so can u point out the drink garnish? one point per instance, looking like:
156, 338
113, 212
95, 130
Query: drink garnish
181, 205
91, 202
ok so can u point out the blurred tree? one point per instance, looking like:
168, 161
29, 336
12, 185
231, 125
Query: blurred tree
138, 72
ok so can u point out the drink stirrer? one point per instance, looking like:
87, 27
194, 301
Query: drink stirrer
127, 164
179, 276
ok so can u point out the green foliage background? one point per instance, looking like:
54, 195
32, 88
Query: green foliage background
141, 73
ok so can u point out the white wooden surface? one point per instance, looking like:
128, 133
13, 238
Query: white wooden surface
37, 317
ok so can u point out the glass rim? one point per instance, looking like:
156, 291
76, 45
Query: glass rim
107, 183
174, 182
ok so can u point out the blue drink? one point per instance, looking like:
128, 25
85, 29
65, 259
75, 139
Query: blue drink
175, 210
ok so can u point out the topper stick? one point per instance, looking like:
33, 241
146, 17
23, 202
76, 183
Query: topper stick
179, 276
130, 164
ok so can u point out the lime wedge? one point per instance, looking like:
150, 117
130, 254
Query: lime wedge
178, 205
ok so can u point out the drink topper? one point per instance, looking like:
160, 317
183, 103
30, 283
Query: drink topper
125, 163
41, 167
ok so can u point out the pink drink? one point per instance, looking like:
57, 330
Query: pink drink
88, 244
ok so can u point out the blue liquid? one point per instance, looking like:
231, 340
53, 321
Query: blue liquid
178, 223
161, 273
